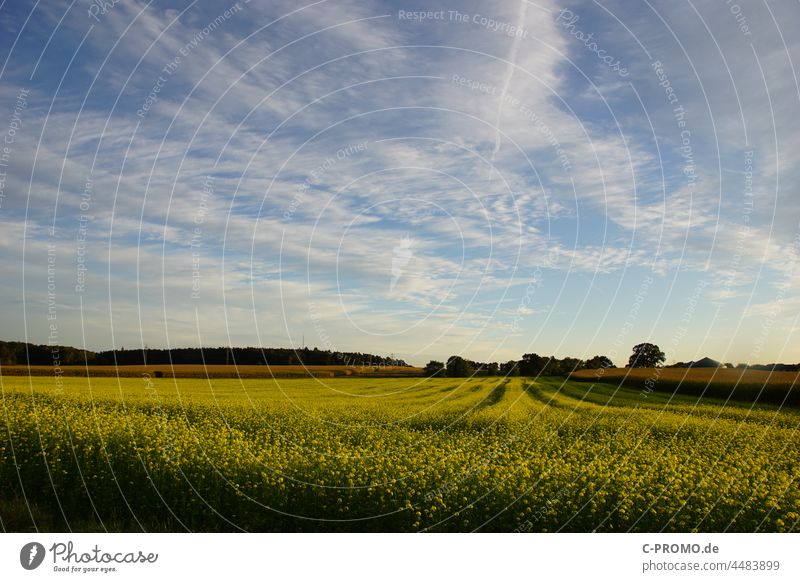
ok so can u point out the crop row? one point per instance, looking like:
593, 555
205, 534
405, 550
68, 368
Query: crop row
442, 455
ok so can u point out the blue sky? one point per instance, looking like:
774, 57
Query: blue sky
486, 179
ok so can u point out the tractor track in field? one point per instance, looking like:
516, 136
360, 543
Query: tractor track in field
495, 396
536, 394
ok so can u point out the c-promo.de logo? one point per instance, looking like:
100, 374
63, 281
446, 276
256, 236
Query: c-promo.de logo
31, 555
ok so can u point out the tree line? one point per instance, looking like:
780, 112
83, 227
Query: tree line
644, 355
27, 354
529, 365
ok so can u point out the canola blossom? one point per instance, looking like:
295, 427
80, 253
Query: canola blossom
373, 454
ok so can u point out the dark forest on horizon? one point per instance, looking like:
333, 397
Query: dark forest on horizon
14, 353
27, 354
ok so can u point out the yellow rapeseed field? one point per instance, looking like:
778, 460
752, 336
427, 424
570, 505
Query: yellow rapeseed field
372, 454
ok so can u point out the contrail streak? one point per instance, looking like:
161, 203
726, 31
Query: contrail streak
511, 60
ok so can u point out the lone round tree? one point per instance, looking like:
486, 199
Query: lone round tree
458, 367
646, 356
434, 368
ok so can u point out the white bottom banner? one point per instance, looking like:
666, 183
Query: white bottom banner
370, 557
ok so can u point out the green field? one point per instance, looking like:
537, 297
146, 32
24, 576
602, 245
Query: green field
739, 384
378, 454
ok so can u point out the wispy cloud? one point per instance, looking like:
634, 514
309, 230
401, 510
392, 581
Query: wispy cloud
276, 156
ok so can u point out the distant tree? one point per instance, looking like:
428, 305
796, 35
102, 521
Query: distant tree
492, 369
458, 367
566, 366
434, 368
598, 362
533, 365
510, 368
646, 355
7, 355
